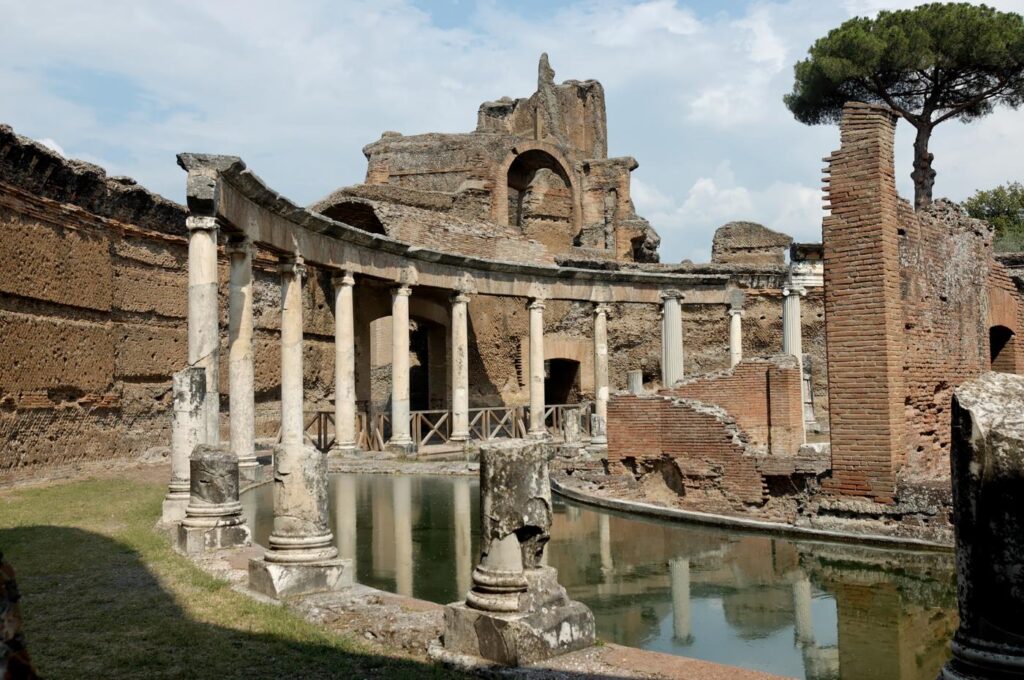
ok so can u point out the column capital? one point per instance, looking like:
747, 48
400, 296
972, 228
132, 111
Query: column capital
292, 265
672, 294
238, 244
794, 289
737, 311
460, 297
402, 290
602, 308
201, 223
536, 303
343, 278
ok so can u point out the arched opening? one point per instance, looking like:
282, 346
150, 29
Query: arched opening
356, 214
539, 190
1001, 349
561, 381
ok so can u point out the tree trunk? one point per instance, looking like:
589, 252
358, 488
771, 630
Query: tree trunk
923, 175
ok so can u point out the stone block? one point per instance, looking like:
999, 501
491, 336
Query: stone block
279, 580
150, 290
213, 519
196, 540
43, 353
148, 351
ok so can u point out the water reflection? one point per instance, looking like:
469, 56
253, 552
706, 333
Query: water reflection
795, 608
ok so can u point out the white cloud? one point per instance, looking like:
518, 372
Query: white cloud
52, 145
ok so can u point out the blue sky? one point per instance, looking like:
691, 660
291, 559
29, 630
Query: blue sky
297, 89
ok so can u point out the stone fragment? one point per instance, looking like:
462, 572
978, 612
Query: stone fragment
213, 518
987, 461
516, 612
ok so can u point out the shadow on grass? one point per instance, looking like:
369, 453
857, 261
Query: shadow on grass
93, 609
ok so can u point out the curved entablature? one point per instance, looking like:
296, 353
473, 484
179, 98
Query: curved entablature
222, 188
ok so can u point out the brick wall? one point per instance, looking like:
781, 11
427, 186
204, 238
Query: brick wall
1005, 310
764, 397
704, 443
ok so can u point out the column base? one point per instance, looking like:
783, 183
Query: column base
250, 473
195, 540
980, 660
344, 449
404, 449
279, 580
174, 508
542, 436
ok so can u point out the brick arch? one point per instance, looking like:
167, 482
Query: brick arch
499, 196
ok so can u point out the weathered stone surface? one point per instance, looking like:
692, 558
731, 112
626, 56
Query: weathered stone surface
988, 484
749, 243
213, 518
189, 394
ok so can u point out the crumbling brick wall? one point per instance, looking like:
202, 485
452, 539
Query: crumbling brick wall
1005, 316
764, 397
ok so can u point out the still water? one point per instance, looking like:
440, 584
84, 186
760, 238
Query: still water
801, 609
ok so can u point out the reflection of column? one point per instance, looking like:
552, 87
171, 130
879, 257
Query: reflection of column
460, 368
735, 335
601, 370
605, 533
803, 623
344, 364
679, 573
345, 515
403, 536
400, 437
203, 315
242, 394
537, 429
463, 535
672, 338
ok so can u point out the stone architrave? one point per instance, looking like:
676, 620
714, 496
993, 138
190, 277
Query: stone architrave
213, 519
188, 428
987, 460
516, 612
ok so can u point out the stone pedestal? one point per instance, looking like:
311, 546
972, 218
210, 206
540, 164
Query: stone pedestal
572, 440
213, 518
515, 613
988, 483
188, 428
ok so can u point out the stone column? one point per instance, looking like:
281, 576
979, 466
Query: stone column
516, 612
188, 428
672, 338
635, 381
203, 315
344, 364
401, 440
803, 623
301, 557
987, 457
460, 368
600, 372
537, 428
679, 574
735, 335
213, 519
792, 337
242, 393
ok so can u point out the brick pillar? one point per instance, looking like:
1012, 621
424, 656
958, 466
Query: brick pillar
863, 308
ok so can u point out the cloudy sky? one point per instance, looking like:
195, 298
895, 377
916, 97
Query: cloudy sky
694, 91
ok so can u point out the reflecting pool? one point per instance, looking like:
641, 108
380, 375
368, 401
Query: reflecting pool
797, 608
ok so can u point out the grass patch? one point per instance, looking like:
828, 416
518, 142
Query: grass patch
105, 596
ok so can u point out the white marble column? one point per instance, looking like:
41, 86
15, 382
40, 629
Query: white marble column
792, 335
241, 386
682, 626
292, 426
537, 428
344, 364
400, 436
460, 368
735, 336
672, 338
203, 316
601, 371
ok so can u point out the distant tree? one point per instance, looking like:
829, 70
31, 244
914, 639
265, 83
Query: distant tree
1003, 208
929, 64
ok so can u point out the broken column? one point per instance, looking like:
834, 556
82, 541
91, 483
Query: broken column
635, 381
671, 338
241, 375
538, 430
987, 460
213, 518
600, 371
516, 612
301, 557
188, 428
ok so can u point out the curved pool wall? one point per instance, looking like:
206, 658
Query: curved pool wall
798, 608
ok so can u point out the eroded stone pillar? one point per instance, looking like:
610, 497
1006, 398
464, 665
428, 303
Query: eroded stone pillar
460, 368
516, 612
671, 338
213, 518
735, 335
537, 428
987, 457
682, 624
635, 381
401, 439
301, 557
203, 315
188, 428
600, 372
344, 364
241, 387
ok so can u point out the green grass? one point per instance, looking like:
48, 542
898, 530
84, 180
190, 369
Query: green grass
104, 596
